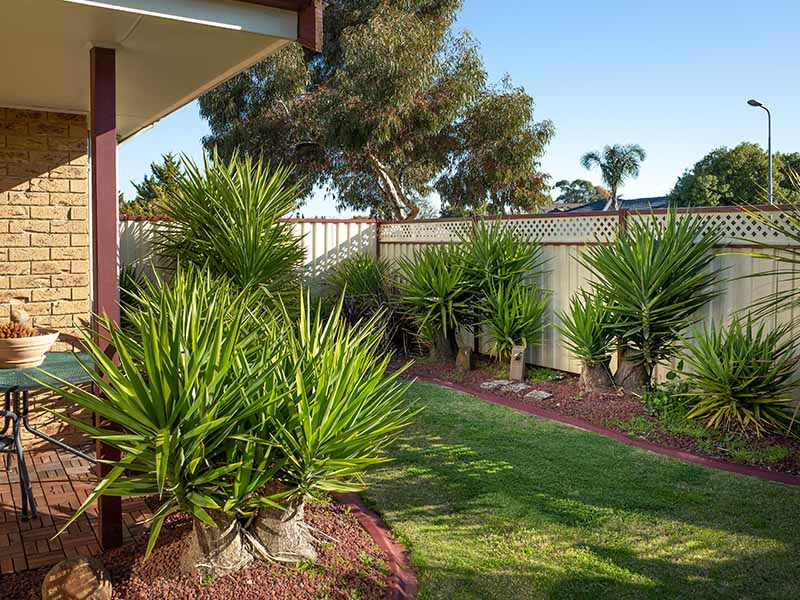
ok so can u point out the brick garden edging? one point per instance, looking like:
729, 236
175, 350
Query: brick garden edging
784, 478
403, 580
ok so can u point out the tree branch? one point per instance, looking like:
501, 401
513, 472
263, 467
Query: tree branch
391, 187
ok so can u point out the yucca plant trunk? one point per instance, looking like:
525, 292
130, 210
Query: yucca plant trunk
283, 531
445, 345
631, 375
596, 378
214, 551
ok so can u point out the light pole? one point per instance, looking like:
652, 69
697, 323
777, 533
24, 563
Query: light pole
758, 104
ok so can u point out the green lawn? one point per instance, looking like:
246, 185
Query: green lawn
496, 504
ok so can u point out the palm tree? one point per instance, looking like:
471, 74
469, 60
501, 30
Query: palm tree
617, 163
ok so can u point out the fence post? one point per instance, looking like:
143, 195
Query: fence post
623, 220
378, 237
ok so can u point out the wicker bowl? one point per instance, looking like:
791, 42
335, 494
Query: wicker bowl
24, 352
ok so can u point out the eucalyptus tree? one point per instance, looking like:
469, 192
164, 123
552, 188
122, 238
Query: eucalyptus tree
396, 107
616, 163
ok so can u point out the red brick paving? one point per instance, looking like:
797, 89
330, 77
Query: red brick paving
61, 482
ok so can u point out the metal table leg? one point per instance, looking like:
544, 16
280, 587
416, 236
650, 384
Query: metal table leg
25, 481
28, 502
44, 436
7, 408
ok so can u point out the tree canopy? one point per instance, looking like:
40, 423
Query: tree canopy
154, 188
616, 163
397, 107
729, 176
580, 191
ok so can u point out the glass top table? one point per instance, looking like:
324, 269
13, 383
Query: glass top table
69, 366
16, 384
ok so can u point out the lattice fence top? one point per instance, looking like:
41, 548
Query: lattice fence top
579, 229
569, 230
737, 228
425, 231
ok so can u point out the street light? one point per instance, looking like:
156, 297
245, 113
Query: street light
758, 104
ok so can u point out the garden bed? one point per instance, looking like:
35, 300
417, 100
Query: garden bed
626, 414
350, 566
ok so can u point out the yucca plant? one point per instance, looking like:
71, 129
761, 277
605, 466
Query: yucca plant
181, 403
130, 286
657, 276
360, 276
225, 215
497, 256
513, 315
365, 284
588, 328
434, 292
740, 377
339, 409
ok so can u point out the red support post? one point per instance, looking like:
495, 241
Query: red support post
103, 154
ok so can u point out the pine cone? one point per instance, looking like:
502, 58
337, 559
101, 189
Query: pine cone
15, 330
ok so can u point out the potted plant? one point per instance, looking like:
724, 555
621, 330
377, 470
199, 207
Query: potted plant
21, 344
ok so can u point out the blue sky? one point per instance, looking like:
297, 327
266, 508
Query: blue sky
673, 76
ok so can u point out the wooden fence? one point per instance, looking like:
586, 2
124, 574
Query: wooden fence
562, 236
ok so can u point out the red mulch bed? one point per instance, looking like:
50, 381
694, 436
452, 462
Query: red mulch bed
607, 410
350, 566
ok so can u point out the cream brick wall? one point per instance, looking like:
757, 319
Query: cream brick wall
44, 226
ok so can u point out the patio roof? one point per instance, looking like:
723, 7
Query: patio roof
126, 64
167, 53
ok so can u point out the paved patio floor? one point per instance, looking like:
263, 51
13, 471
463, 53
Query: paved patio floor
61, 482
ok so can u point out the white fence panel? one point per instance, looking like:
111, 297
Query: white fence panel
326, 242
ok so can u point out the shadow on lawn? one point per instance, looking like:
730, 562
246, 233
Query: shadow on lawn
668, 528
582, 479
590, 487
685, 581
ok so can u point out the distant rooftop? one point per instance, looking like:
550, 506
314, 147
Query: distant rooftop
628, 204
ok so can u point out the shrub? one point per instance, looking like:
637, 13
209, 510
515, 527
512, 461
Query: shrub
588, 330
496, 256
739, 378
513, 315
360, 276
339, 410
435, 293
667, 399
224, 410
225, 216
657, 275
364, 282
190, 377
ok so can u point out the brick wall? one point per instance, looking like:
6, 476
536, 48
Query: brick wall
44, 226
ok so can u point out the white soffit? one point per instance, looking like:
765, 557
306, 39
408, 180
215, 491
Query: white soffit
167, 53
